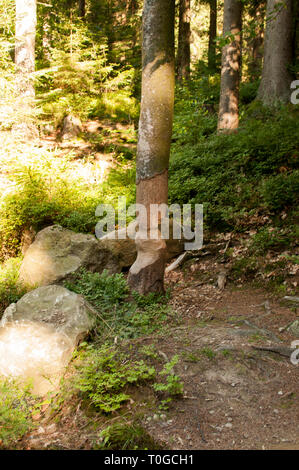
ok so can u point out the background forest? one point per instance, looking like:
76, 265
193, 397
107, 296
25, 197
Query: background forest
244, 170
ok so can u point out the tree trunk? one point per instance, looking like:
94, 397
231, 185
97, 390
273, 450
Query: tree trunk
276, 78
46, 39
25, 45
212, 35
183, 54
155, 130
82, 9
228, 119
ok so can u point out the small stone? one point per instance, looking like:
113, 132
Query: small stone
228, 425
51, 428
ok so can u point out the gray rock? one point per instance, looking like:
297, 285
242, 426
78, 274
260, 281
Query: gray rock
72, 126
39, 334
294, 328
57, 252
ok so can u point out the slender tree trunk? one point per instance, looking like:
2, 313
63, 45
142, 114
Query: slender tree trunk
212, 35
276, 78
46, 40
82, 9
228, 119
183, 53
25, 45
155, 130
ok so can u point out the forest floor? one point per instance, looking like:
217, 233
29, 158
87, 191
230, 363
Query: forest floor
236, 396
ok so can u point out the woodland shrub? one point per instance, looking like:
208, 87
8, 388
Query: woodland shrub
236, 176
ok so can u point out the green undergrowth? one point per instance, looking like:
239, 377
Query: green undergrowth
241, 177
120, 315
45, 189
107, 377
105, 373
126, 436
10, 290
16, 405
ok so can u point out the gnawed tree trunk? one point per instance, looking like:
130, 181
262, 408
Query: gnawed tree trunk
155, 129
276, 78
212, 35
183, 53
25, 45
228, 119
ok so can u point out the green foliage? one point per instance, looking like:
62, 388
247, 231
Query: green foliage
281, 190
126, 436
271, 239
236, 176
244, 267
119, 316
10, 291
172, 385
45, 191
105, 375
15, 412
100, 289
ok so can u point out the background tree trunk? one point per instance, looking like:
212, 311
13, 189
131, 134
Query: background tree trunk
82, 8
228, 119
155, 130
183, 53
46, 39
256, 42
25, 45
276, 78
212, 35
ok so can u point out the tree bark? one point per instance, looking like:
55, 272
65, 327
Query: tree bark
82, 9
257, 14
228, 118
46, 39
155, 130
183, 53
212, 35
25, 45
276, 78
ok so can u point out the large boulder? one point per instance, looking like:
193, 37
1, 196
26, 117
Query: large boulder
121, 245
39, 334
57, 252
